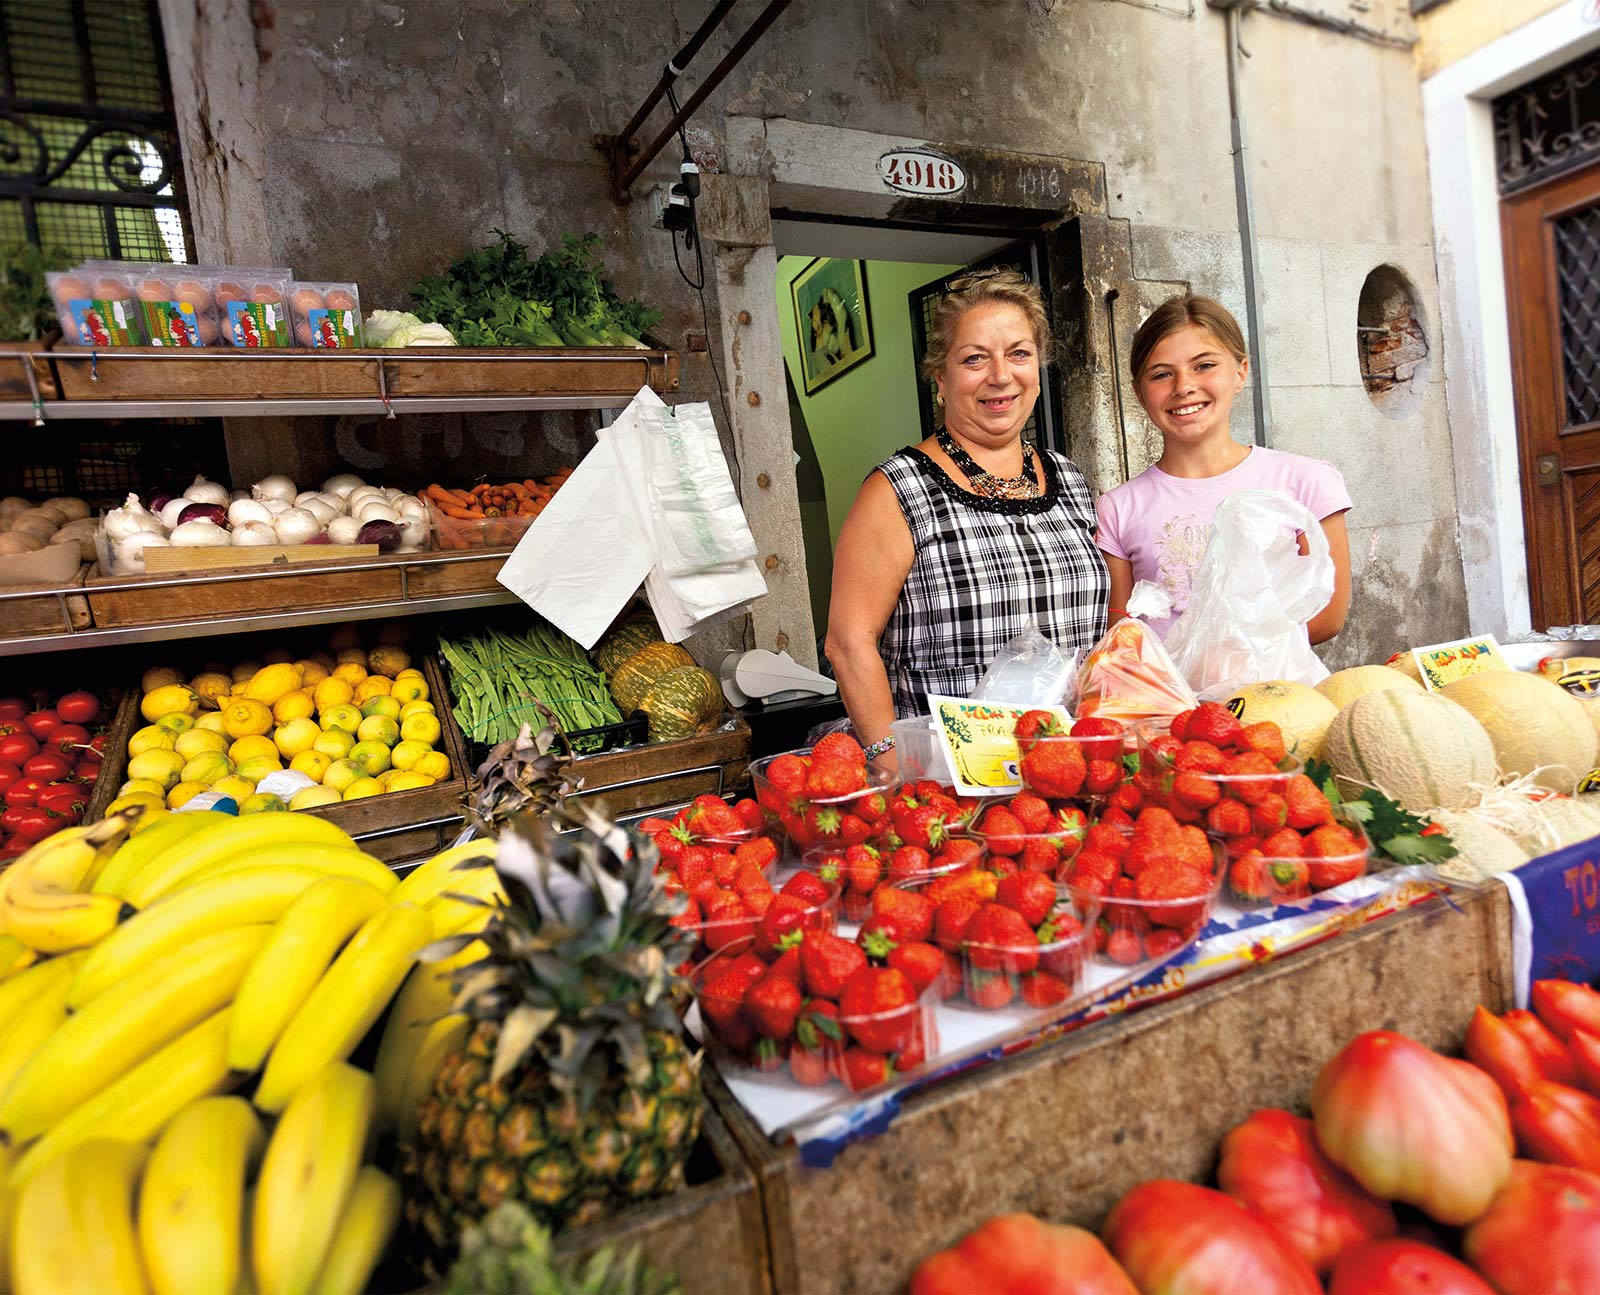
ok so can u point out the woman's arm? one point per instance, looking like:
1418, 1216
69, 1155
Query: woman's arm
870, 565
1330, 620
1121, 584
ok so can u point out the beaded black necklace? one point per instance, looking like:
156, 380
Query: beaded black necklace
987, 484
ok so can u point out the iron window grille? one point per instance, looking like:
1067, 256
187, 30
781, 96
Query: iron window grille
1549, 126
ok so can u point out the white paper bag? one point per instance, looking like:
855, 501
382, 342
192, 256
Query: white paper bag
696, 520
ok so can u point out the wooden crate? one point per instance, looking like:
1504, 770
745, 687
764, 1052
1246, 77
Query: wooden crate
13, 379
286, 375
304, 589
563, 371
711, 1234
24, 617
435, 579
666, 773
1064, 1129
123, 724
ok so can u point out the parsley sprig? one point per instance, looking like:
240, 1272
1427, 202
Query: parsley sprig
1396, 833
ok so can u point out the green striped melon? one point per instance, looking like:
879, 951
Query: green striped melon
631, 679
683, 702
1418, 748
634, 633
1534, 724
1344, 686
1482, 850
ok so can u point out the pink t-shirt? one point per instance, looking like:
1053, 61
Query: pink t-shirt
1160, 523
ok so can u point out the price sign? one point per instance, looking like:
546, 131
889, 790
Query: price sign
922, 172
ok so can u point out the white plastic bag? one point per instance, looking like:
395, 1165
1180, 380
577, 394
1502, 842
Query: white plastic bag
1030, 671
1253, 594
695, 517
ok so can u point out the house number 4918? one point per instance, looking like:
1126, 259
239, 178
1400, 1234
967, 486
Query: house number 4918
920, 172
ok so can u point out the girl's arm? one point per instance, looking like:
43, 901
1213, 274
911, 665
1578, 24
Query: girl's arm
870, 565
1330, 620
1121, 584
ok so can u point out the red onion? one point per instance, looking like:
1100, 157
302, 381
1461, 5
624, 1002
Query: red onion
386, 535
321, 537
160, 500
214, 513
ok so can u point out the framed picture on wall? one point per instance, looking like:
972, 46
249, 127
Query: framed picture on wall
831, 320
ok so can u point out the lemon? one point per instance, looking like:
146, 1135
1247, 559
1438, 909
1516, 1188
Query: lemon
212, 688
197, 741
436, 765
377, 728
177, 722
207, 768
409, 781
372, 758
409, 688
416, 708
312, 797
149, 819
388, 661
246, 717
385, 706
247, 748
152, 738
270, 682
314, 764
145, 798
164, 767
361, 788
296, 736
297, 704
341, 773
331, 692
238, 688
263, 802
352, 672
351, 655
334, 743
311, 672
235, 786
211, 722
183, 793
245, 671
170, 698
410, 672
258, 767
421, 728
387, 777
406, 754
372, 686
159, 676
144, 786
346, 717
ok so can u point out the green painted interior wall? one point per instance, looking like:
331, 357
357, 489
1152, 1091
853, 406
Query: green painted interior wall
861, 417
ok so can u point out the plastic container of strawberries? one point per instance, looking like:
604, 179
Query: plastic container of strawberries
1159, 771
1039, 966
810, 815
1049, 838
1061, 767
753, 927
860, 875
1283, 871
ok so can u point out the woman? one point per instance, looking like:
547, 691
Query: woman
1188, 362
956, 545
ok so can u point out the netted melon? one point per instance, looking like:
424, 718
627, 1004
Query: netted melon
1344, 686
1482, 850
1300, 711
1536, 726
1418, 748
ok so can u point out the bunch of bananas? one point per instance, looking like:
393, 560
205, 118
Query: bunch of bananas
149, 968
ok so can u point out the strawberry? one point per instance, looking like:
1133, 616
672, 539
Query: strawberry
1041, 856
879, 1008
1212, 722
1285, 843
723, 866
1179, 727
853, 830
1250, 878
922, 826
1324, 874
879, 936
951, 917
921, 963
913, 912
863, 867
1032, 725
783, 925
832, 779
788, 966
1255, 774
871, 809
1104, 838
861, 1070
1228, 818
750, 877
1291, 878
975, 883
1333, 841
958, 850
827, 962
712, 818
1032, 812
907, 862
1128, 798
808, 1067
839, 746
1195, 790
818, 1038
991, 990
786, 776
1103, 776
822, 825
1097, 726
914, 1051
1307, 807
750, 814
771, 1006
1269, 813
1003, 830
688, 919
1163, 881
998, 938
1123, 945
1091, 865
1265, 738
1199, 757
1061, 946
727, 924
704, 891
761, 851
1115, 817
721, 1001
808, 888
1164, 747
757, 902
1029, 894
1054, 769
1041, 989
1162, 941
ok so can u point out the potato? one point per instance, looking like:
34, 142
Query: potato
40, 525
75, 509
56, 515
14, 542
11, 508
81, 533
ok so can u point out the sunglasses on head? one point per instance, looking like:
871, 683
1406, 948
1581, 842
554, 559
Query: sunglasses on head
964, 281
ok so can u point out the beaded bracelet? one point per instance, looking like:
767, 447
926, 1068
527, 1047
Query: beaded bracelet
881, 747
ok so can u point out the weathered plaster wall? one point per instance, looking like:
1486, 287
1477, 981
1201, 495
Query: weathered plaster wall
1452, 31
397, 134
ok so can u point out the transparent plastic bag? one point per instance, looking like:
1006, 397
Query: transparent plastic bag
1254, 591
695, 516
1030, 671
1129, 676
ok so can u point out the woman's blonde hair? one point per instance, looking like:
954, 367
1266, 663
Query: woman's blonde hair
1180, 312
985, 288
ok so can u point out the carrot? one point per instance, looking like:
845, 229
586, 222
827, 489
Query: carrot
464, 514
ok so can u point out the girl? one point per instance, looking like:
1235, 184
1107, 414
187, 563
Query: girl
1188, 363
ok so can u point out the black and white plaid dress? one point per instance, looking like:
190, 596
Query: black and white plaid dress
984, 569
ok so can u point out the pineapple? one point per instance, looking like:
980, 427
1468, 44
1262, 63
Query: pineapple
509, 1254
574, 1092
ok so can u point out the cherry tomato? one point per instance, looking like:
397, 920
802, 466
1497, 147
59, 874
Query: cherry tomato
15, 748
10, 818
68, 739
12, 708
67, 799
87, 771
79, 708
97, 744
24, 792
9, 773
37, 823
47, 766
42, 723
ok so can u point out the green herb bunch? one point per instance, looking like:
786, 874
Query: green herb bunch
26, 311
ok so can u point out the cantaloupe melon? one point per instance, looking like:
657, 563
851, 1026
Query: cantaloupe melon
1561, 820
1482, 850
1300, 711
1533, 723
1418, 748
1344, 686
1406, 664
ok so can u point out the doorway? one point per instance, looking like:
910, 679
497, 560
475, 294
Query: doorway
854, 300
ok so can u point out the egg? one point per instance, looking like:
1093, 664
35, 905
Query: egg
154, 290
305, 300
228, 290
109, 289
266, 294
302, 335
195, 293
338, 299
207, 328
72, 288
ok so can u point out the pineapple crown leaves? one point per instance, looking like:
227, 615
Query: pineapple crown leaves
508, 1253
526, 773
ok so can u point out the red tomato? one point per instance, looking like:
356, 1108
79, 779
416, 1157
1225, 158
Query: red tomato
9, 819
87, 771
1541, 1232
79, 708
1271, 1161
1401, 1267
1176, 1236
17, 748
9, 773
1501, 1053
68, 798
12, 708
69, 739
42, 723
97, 744
35, 823
47, 766
1565, 1007
1585, 1050
1558, 1125
1016, 1254
12, 850
1554, 1060
24, 792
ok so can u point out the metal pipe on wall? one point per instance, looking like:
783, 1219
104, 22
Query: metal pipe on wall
1247, 228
